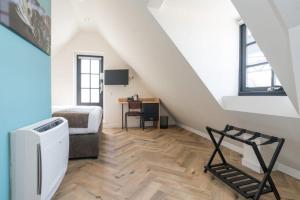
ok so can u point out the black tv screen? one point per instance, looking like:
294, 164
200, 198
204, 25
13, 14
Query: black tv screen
116, 77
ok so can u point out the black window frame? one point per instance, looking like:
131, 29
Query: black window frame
255, 91
78, 80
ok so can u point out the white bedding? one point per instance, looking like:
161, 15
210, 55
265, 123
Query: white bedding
95, 116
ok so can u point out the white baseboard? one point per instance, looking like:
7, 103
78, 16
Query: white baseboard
112, 125
205, 135
279, 166
288, 170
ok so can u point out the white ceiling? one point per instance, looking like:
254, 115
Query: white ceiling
196, 6
74, 15
64, 23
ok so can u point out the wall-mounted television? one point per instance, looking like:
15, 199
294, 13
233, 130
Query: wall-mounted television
116, 77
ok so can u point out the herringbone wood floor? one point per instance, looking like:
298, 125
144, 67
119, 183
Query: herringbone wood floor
155, 165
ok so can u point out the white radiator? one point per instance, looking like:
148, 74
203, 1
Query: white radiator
39, 159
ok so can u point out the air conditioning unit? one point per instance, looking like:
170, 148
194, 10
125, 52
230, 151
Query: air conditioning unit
39, 159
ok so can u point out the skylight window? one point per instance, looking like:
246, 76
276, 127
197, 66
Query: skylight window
256, 74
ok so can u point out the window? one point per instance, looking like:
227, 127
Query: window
89, 80
256, 75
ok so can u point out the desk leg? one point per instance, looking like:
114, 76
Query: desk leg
158, 122
122, 117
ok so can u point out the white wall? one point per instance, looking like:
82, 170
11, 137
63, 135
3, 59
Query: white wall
137, 37
64, 76
141, 41
207, 34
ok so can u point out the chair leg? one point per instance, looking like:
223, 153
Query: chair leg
143, 123
140, 121
126, 123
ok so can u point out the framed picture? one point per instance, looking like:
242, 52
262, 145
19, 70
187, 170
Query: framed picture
30, 19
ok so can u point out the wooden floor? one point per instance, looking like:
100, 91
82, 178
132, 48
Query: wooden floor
155, 165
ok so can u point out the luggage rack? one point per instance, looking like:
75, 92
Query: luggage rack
245, 184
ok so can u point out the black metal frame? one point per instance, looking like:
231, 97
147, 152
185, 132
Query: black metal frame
78, 79
243, 183
257, 91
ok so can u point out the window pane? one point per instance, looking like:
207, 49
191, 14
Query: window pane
85, 81
254, 55
95, 96
85, 66
250, 38
95, 81
259, 76
95, 66
85, 96
277, 82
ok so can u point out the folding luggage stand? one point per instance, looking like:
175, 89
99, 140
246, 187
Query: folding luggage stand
244, 184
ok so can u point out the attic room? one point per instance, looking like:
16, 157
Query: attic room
149, 99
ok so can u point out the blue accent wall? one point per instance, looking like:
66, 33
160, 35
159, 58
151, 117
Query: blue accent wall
25, 93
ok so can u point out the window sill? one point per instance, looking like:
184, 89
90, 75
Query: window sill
266, 105
263, 93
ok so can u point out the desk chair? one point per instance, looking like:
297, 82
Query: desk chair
135, 110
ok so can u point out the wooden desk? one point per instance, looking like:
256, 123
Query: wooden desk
123, 101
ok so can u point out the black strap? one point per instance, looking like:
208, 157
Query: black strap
270, 141
256, 135
239, 133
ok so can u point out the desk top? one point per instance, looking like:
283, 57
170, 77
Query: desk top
144, 100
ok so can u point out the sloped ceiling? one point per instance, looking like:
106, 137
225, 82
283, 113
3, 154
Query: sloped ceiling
203, 31
157, 4
289, 10
133, 32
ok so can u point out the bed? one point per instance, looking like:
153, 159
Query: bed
85, 127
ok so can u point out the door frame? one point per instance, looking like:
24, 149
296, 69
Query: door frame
78, 79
